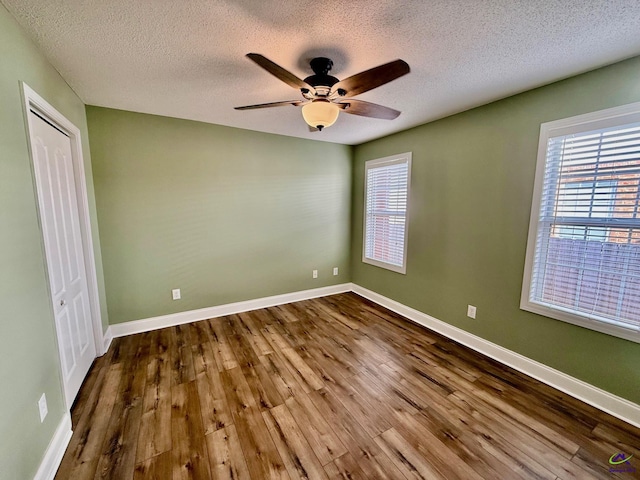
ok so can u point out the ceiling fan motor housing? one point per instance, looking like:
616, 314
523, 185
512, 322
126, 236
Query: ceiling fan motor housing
321, 67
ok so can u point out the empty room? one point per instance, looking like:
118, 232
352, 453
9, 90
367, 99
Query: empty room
323, 240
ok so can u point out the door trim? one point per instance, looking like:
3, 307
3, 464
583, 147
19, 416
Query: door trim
33, 101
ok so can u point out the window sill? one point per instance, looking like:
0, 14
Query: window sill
386, 266
557, 313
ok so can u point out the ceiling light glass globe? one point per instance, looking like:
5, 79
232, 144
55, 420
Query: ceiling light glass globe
320, 114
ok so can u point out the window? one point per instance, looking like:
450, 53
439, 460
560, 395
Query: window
583, 254
385, 219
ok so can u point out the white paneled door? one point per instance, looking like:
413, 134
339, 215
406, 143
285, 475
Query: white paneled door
54, 175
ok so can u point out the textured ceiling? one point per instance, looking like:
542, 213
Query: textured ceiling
186, 59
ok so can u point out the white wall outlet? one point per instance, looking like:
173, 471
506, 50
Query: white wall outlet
175, 293
315, 274
42, 406
335, 270
471, 311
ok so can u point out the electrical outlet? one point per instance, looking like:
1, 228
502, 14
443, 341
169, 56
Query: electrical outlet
315, 274
335, 270
42, 406
175, 293
471, 311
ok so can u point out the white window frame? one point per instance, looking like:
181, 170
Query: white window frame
611, 117
381, 162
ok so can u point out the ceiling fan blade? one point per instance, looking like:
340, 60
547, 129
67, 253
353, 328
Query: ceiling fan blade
367, 109
279, 72
372, 78
295, 103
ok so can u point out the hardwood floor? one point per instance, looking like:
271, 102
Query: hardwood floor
335, 387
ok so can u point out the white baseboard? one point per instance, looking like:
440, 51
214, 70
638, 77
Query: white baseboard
55, 450
608, 402
154, 323
107, 339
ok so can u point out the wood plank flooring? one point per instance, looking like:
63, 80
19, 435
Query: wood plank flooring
330, 388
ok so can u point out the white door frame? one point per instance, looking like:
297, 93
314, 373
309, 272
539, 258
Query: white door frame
33, 101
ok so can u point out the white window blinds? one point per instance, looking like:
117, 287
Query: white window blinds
386, 200
586, 259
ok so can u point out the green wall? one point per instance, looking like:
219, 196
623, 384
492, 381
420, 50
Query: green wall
470, 201
28, 349
222, 213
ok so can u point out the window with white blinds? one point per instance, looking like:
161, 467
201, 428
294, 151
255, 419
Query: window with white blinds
385, 218
583, 257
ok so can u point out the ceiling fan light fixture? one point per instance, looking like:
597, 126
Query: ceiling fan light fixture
320, 114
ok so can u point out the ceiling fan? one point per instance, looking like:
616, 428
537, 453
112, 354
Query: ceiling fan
323, 96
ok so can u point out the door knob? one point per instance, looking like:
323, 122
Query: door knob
62, 302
